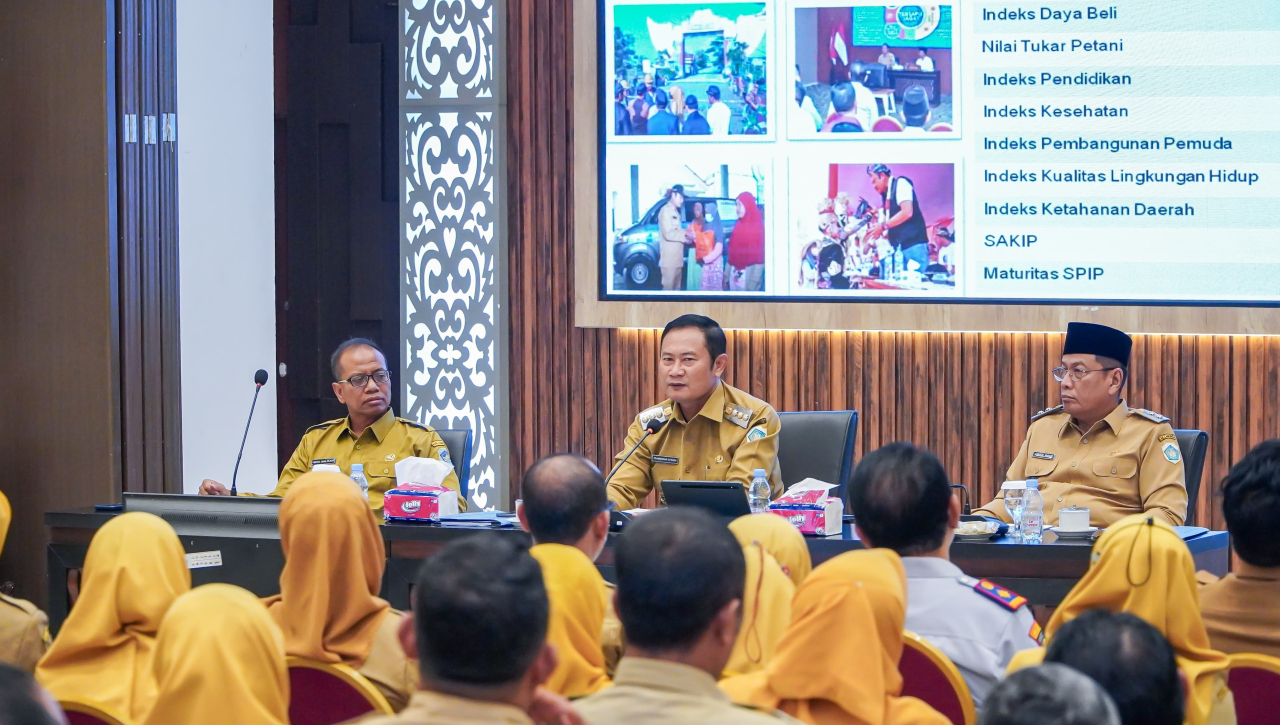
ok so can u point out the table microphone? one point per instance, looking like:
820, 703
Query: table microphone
259, 379
650, 428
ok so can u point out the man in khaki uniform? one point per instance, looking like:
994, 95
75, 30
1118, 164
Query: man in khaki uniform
671, 239
24, 629
371, 434
680, 580
712, 431
1093, 451
1240, 611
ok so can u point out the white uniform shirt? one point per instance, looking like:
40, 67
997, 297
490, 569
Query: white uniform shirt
978, 634
925, 63
718, 118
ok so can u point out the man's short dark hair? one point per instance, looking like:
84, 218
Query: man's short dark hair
336, 357
713, 92
717, 343
562, 494
1048, 695
1131, 659
480, 609
677, 568
19, 698
842, 97
1251, 504
899, 495
924, 50
660, 98
1110, 362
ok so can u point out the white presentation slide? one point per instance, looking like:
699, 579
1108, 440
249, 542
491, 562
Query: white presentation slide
962, 152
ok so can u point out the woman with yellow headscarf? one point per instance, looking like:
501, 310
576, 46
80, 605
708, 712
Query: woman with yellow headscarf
24, 629
134, 570
328, 606
837, 663
1141, 566
220, 660
777, 562
577, 595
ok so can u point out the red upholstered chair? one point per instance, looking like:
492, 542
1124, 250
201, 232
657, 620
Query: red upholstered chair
84, 712
941, 127
1255, 682
886, 123
323, 694
929, 675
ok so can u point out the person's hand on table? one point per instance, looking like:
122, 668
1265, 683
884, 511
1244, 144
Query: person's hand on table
549, 708
210, 487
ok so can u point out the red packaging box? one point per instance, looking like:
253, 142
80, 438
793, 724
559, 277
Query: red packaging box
417, 502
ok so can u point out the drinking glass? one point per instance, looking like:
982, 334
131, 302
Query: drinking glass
1013, 503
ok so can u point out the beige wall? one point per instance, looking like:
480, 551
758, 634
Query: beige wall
58, 411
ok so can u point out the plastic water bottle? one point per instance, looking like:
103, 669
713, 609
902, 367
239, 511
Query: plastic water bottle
758, 494
357, 475
1032, 513
897, 264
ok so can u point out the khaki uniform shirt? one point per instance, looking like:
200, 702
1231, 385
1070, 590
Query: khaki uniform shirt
731, 436
655, 691
1242, 610
612, 638
671, 246
1127, 463
433, 708
378, 447
387, 666
24, 633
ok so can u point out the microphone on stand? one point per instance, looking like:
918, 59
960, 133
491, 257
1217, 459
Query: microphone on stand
259, 379
650, 428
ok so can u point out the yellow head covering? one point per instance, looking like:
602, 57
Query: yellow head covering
766, 540
578, 595
6, 518
220, 659
134, 570
1141, 566
837, 664
328, 605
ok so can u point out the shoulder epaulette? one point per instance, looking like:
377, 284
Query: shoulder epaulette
414, 423
322, 426
1047, 411
1149, 415
656, 412
996, 593
739, 415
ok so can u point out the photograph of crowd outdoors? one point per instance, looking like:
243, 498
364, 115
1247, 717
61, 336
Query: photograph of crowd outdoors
687, 228
880, 227
690, 69
883, 68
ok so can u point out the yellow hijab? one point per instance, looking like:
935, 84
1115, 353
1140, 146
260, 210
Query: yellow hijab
837, 664
328, 605
767, 540
219, 660
6, 518
1140, 565
133, 572
577, 594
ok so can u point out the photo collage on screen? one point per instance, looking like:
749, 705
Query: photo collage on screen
757, 149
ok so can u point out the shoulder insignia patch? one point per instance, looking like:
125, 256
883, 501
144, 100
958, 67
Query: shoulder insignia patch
996, 593
755, 434
1047, 411
1168, 437
444, 455
1149, 415
322, 426
738, 415
1171, 452
414, 423
1036, 633
657, 412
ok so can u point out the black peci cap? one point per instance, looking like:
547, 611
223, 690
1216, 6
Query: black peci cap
1086, 338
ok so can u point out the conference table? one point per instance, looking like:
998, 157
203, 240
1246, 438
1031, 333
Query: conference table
249, 555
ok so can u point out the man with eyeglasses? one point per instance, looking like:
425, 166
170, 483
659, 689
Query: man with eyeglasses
1093, 450
371, 433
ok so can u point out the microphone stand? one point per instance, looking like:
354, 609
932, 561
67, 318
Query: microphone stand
257, 389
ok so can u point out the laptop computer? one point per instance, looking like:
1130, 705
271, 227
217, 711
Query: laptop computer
723, 498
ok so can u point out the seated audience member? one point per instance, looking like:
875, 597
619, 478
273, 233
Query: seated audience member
328, 606
479, 634
24, 629
1049, 695
915, 109
680, 575
219, 660
1141, 566
777, 562
694, 123
134, 570
663, 122
1132, 661
1242, 611
565, 509
902, 500
23, 702
838, 661
844, 108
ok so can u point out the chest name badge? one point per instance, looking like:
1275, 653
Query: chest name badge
1042, 456
323, 461
668, 460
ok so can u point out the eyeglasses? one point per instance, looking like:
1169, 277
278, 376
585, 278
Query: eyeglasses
360, 380
1077, 374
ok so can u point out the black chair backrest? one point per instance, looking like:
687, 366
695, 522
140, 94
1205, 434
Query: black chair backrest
458, 441
818, 444
1193, 444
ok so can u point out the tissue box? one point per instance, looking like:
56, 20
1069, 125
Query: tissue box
808, 507
417, 502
